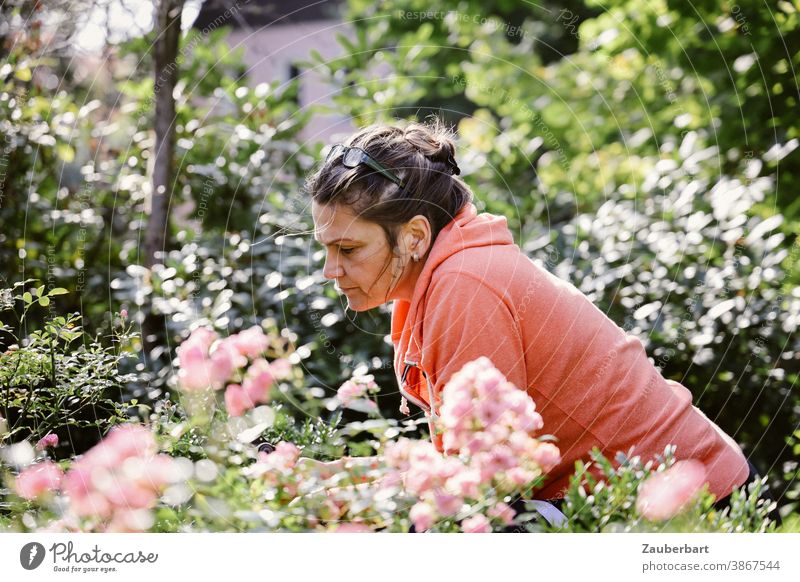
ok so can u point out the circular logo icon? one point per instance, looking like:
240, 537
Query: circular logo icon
31, 555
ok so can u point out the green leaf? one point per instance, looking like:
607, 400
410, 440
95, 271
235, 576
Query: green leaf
65, 152
27, 297
57, 291
39, 290
44, 301
23, 74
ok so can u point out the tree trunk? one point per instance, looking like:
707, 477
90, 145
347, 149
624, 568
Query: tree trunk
168, 30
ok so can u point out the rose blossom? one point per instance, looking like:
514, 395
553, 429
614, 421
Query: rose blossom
258, 381
38, 479
237, 401
47, 441
447, 504
667, 493
355, 388
119, 479
350, 391
202, 367
477, 523
503, 512
422, 516
198, 369
251, 342
281, 368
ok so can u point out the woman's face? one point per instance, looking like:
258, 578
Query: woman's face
356, 256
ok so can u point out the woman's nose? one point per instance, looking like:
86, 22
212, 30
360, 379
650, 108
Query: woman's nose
331, 270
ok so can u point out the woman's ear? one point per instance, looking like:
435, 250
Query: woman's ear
417, 236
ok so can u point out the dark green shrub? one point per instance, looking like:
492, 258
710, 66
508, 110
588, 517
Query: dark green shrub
55, 379
693, 272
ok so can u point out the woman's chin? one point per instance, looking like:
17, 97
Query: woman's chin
358, 304
355, 305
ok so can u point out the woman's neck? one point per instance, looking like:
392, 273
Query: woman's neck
405, 289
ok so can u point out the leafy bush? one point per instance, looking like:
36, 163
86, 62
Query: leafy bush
54, 380
615, 502
696, 275
215, 479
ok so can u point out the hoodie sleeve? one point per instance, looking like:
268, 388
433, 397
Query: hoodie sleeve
465, 319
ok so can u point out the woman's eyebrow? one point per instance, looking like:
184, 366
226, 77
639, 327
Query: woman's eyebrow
336, 241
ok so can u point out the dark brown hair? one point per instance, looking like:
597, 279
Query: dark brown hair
421, 154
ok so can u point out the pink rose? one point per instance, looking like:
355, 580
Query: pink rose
91, 505
501, 458
418, 479
490, 411
119, 479
547, 456
466, 483
123, 441
237, 401
503, 512
478, 523
194, 373
130, 494
350, 391
283, 458
47, 441
199, 369
201, 337
520, 477
223, 361
258, 381
281, 368
422, 516
665, 494
251, 342
447, 504
288, 451
230, 349
38, 479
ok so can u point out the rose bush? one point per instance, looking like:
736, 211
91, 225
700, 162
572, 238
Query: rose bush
196, 466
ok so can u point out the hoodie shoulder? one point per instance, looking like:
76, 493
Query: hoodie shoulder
498, 266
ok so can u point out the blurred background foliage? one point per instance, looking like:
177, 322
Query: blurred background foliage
645, 151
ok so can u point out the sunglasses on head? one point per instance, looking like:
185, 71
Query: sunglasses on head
354, 157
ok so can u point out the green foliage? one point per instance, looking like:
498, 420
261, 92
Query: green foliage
644, 162
55, 379
745, 52
697, 276
62, 220
602, 498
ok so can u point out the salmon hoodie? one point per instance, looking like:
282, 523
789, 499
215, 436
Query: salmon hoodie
479, 295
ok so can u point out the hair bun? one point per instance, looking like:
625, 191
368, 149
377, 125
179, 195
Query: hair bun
435, 142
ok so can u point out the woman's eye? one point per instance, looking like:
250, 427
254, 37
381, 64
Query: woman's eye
346, 251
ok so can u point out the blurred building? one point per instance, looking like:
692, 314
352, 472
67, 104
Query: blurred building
277, 35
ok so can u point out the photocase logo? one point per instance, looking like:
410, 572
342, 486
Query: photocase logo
31, 555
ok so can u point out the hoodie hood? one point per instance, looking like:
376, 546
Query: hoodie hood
466, 231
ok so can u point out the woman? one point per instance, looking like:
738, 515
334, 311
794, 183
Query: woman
399, 225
